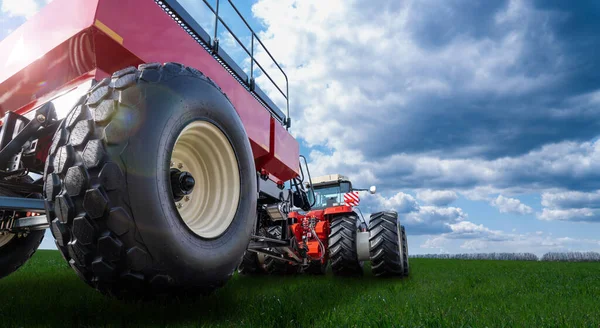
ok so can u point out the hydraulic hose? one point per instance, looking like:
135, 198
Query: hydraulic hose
320, 244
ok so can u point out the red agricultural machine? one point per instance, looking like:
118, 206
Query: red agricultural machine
150, 176
332, 231
152, 156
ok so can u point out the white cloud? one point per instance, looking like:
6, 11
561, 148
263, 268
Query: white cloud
433, 220
400, 202
476, 238
466, 230
510, 205
571, 214
574, 206
388, 93
405, 78
418, 219
571, 199
470, 230
437, 197
20, 8
554, 166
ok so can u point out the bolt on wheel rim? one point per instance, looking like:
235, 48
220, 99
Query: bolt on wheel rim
4, 239
204, 151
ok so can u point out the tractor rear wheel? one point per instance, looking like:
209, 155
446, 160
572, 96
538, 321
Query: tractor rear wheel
275, 266
250, 264
151, 184
15, 250
316, 267
342, 246
405, 251
385, 244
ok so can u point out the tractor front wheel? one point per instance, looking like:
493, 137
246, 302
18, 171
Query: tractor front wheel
405, 252
342, 246
251, 264
385, 245
317, 267
275, 266
16, 249
151, 184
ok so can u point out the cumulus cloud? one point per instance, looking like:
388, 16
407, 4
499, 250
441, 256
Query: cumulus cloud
476, 238
466, 230
20, 8
433, 220
565, 165
437, 197
470, 230
481, 98
409, 73
570, 206
419, 220
571, 199
510, 205
400, 202
571, 214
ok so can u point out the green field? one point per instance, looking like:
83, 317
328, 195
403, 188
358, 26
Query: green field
439, 293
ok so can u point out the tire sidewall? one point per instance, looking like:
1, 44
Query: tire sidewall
170, 242
18, 250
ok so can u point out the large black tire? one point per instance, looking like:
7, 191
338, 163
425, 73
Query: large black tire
275, 266
385, 245
108, 189
316, 267
250, 264
17, 250
405, 252
342, 246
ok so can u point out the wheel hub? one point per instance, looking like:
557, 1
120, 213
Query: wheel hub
205, 179
5, 238
182, 183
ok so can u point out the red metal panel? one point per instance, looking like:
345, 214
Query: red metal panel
284, 162
59, 21
41, 56
295, 215
297, 230
338, 210
153, 36
63, 44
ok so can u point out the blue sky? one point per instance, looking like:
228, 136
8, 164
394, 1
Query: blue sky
477, 120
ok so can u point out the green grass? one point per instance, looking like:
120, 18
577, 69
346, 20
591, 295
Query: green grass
439, 293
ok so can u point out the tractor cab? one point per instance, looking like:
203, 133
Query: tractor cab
333, 190
329, 191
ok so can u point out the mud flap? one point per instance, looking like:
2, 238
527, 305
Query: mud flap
362, 246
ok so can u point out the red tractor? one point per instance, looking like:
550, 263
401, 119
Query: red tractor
144, 147
332, 231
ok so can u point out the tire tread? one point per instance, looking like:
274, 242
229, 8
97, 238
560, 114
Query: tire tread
114, 258
386, 254
342, 246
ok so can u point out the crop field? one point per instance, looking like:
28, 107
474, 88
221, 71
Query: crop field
439, 293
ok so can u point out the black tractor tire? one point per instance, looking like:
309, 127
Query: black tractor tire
108, 188
19, 249
405, 252
274, 266
342, 246
316, 268
250, 264
385, 245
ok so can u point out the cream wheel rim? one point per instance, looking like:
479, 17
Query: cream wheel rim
204, 151
4, 239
